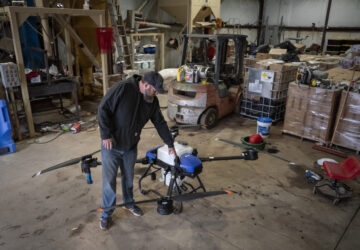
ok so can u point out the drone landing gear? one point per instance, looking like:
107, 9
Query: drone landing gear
166, 204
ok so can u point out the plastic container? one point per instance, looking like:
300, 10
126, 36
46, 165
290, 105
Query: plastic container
245, 141
7, 145
149, 50
163, 153
105, 39
263, 126
192, 75
180, 76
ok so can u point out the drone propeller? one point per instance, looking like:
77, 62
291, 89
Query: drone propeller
64, 164
180, 198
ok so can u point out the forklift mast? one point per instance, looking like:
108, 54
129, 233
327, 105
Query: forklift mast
221, 41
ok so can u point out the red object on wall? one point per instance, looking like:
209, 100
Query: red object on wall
105, 39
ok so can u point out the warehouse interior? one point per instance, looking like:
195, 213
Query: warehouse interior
261, 105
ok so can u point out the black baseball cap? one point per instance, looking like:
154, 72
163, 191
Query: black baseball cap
156, 80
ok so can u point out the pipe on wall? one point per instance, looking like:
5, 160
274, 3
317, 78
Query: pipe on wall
326, 24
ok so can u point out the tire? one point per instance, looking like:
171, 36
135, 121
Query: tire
209, 118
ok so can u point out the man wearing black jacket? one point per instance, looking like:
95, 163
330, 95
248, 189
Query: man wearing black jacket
123, 112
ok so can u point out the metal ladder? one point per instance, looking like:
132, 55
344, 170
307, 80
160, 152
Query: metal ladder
122, 46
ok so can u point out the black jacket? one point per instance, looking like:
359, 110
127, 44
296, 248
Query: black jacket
123, 113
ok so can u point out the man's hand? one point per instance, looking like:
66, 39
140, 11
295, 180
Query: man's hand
107, 143
172, 151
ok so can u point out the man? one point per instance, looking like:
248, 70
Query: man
123, 112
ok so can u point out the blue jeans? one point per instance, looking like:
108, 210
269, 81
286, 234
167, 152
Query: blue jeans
111, 161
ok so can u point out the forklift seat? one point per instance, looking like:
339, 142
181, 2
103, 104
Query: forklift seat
346, 170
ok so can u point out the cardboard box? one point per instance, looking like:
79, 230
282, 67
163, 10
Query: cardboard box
278, 57
285, 72
265, 63
310, 112
250, 62
274, 51
300, 47
348, 131
262, 56
278, 86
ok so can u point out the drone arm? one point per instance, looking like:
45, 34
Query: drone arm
144, 160
221, 158
246, 155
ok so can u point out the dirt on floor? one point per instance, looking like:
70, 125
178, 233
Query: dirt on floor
274, 207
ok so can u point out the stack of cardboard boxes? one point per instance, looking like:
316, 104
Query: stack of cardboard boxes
347, 133
310, 112
284, 73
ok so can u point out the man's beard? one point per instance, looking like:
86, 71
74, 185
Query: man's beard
147, 96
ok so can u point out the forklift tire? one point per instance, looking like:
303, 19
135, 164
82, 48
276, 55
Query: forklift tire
209, 118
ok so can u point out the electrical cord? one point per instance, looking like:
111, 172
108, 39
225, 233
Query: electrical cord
57, 136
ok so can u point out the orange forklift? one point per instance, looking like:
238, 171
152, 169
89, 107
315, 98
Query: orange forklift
207, 87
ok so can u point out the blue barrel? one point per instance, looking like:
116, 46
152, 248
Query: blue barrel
7, 144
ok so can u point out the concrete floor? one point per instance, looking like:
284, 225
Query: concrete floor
274, 210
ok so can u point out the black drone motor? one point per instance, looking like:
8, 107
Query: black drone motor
88, 162
165, 206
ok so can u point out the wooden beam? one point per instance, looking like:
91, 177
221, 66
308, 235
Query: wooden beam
132, 56
21, 69
144, 34
45, 29
14, 110
68, 53
77, 40
104, 62
64, 11
162, 49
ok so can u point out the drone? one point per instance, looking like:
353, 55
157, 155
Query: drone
176, 173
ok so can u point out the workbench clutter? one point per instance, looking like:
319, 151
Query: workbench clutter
144, 63
321, 62
42, 75
144, 60
352, 57
285, 51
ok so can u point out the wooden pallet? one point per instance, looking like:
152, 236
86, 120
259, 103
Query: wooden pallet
357, 151
302, 137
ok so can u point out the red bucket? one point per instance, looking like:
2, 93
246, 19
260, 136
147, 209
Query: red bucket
105, 39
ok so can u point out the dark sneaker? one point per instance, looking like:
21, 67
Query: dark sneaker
105, 223
135, 210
